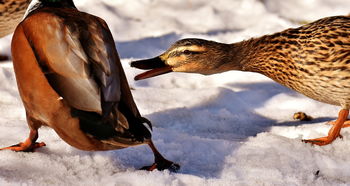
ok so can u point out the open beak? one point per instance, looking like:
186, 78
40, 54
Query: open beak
157, 66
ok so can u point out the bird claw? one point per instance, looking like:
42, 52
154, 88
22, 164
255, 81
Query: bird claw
322, 141
22, 147
316, 142
172, 167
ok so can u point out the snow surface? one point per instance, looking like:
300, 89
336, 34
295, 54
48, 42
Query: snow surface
233, 128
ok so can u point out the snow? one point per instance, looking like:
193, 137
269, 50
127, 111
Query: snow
234, 128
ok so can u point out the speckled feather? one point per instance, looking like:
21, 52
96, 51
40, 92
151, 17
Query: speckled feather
11, 13
313, 59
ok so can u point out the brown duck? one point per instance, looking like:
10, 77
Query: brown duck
11, 13
313, 59
70, 78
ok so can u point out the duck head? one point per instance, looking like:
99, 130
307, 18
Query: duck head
187, 55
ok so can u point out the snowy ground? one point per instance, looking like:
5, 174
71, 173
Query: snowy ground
233, 128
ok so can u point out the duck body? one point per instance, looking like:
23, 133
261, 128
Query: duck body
70, 78
313, 59
71, 59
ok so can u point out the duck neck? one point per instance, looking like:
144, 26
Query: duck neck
236, 57
246, 55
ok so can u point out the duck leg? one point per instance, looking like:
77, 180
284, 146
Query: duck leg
346, 123
29, 145
160, 162
334, 132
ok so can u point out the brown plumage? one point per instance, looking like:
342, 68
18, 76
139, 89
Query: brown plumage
70, 78
11, 13
313, 59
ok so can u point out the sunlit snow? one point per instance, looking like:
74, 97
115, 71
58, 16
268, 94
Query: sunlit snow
234, 128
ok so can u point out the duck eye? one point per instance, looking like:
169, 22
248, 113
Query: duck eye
187, 52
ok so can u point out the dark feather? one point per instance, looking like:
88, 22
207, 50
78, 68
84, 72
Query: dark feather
90, 77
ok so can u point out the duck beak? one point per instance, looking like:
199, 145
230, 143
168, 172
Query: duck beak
157, 66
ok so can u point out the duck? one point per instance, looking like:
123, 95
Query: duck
11, 13
70, 79
312, 59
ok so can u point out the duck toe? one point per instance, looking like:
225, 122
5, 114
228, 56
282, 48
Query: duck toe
164, 165
25, 147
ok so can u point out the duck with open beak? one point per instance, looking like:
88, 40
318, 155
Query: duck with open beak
313, 59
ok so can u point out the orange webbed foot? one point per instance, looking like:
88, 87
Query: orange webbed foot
334, 132
25, 147
322, 141
346, 123
29, 145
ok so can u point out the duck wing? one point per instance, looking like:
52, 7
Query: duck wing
78, 56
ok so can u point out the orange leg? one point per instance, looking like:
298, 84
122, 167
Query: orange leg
160, 162
334, 132
29, 145
346, 123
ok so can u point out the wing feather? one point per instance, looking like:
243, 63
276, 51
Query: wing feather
79, 56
